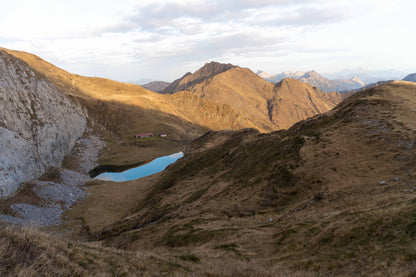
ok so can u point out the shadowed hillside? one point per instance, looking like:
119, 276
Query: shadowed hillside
321, 197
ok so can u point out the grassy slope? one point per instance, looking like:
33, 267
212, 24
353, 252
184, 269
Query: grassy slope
269, 106
31, 252
234, 99
309, 199
294, 100
241, 89
188, 107
120, 123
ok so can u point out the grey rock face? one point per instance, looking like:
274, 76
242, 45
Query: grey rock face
86, 151
39, 125
34, 215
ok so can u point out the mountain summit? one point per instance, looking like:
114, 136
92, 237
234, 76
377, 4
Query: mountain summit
207, 71
266, 105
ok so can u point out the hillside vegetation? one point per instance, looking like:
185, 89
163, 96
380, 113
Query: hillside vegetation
333, 195
32, 252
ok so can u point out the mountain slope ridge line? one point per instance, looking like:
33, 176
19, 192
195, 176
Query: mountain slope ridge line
250, 109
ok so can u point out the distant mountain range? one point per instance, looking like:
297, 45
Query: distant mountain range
207, 71
367, 76
345, 80
316, 80
156, 86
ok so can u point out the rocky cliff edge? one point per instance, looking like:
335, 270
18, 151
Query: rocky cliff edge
39, 125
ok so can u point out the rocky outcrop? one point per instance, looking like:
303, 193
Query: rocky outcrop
39, 125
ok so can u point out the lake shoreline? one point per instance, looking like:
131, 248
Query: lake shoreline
155, 166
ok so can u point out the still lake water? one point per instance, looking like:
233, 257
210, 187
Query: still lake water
155, 166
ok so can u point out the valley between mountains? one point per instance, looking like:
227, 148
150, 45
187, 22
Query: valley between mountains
277, 179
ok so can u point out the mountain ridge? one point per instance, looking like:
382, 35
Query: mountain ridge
211, 112
368, 76
205, 72
231, 98
317, 80
88, 88
254, 97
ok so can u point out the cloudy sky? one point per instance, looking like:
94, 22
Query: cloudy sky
130, 40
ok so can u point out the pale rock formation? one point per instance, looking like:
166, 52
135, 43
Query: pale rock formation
39, 125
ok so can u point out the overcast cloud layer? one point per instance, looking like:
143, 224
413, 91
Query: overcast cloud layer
133, 40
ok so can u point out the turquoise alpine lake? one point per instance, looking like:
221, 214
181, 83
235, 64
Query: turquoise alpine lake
155, 166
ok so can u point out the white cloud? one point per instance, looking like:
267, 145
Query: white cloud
131, 39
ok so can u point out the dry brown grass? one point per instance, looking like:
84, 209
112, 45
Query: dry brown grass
234, 99
29, 252
108, 202
186, 106
303, 201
